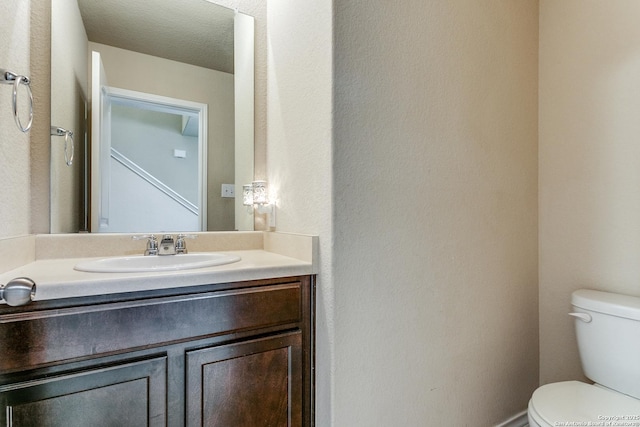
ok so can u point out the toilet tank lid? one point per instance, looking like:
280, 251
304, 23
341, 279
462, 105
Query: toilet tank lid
608, 303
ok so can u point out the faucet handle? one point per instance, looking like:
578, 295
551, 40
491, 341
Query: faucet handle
152, 243
181, 245
144, 236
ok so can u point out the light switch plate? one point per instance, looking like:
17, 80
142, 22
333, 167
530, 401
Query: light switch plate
228, 190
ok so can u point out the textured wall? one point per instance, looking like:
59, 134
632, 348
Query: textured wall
14, 145
299, 150
435, 211
69, 99
589, 164
257, 9
40, 139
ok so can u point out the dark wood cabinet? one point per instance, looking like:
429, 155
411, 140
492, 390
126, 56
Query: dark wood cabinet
253, 383
235, 354
129, 394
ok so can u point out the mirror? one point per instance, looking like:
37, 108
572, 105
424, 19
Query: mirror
165, 51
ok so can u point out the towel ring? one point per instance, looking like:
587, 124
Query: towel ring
68, 135
7, 77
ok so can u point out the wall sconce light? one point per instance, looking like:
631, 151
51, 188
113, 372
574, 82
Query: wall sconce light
256, 194
247, 194
260, 196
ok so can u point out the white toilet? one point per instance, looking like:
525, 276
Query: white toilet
608, 334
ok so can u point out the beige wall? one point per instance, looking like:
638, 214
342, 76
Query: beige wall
257, 9
14, 145
299, 152
40, 51
244, 101
434, 212
68, 97
589, 164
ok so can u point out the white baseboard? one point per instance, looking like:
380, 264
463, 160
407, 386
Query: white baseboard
518, 420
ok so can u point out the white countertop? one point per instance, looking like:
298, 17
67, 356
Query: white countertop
56, 278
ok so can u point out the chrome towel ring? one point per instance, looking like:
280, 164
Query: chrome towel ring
68, 135
8, 77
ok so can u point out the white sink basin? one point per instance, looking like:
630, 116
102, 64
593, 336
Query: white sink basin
140, 263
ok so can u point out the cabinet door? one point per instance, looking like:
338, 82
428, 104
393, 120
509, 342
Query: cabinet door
131, 394
255, 383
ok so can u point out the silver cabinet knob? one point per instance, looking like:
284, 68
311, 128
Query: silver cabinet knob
19, 291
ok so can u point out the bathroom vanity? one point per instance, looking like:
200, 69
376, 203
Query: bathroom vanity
224, 353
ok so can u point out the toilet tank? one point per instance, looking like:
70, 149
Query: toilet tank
609, 339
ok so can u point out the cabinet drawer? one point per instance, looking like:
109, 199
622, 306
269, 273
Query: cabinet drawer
38, 338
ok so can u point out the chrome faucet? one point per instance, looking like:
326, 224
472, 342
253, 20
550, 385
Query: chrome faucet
167, 245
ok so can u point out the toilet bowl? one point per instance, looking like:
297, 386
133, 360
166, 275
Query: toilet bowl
574, 403
608, 335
